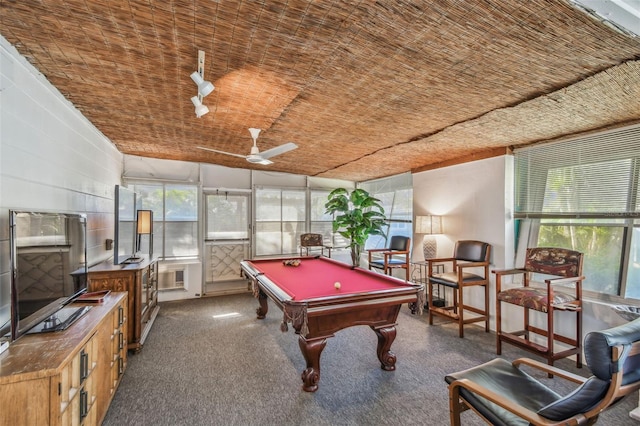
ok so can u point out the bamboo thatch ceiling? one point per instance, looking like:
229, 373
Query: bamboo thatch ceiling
365, 88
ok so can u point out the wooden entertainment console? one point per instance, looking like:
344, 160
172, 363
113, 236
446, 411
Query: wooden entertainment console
66, 377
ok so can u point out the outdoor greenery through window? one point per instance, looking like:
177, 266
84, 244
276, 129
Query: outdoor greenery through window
175, 217
583, 194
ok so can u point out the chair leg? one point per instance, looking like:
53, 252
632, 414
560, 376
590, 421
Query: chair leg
579, 338
454, 406
498, 327
550, 334
430, 301
486, 308
526, 324
460, 308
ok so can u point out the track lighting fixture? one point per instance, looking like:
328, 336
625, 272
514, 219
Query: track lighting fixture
200, 108
204, 87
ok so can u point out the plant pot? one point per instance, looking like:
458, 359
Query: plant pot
356, 251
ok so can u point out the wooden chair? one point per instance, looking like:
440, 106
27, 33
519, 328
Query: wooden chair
467, 255
312, 241
396, 256
503, 393
560, 291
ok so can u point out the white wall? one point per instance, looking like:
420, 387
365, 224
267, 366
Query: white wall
51, 158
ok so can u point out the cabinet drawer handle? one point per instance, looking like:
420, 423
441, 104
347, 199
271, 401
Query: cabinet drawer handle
120, 341
84, 404
84, 365
120, 315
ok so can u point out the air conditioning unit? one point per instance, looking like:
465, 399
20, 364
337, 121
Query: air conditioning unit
171, 279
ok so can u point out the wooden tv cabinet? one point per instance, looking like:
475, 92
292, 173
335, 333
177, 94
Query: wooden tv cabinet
140, 280
66, 377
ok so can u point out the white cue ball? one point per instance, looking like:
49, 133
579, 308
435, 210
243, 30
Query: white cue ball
337, 285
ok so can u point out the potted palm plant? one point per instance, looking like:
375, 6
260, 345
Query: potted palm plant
355, 217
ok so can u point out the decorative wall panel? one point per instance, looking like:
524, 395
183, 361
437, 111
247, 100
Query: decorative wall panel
222, 262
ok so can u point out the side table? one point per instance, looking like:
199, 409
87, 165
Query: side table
419, 274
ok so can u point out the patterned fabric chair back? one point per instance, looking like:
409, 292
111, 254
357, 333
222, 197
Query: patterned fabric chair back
311, 240
554, 261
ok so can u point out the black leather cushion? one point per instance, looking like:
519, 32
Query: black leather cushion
471, 251
450, 279
503, 378
597, 351
579, 401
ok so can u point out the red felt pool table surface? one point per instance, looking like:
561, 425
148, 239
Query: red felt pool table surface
316, 277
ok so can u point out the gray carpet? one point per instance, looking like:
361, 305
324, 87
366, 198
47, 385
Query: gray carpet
199, 369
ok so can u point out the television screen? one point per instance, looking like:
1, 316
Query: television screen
124, 246
48, 265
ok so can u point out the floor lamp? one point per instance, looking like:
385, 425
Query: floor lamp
144, 226
429, 226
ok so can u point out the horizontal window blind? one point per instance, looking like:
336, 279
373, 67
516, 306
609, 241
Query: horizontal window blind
590, 176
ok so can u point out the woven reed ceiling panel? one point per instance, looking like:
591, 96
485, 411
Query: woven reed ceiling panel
366, 89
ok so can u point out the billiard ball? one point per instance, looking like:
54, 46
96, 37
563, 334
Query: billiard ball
337, 285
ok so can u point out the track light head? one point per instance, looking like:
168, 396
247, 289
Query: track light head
204, 87
200, 108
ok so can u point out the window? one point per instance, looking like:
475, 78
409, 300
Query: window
396, 196
227, 216
280, 219
583, 194
321, 222
175, 217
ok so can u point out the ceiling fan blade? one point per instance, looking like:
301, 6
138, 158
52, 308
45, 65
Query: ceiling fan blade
278, 150
221, 152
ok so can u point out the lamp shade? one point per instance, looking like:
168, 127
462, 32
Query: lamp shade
428, 225
144, 223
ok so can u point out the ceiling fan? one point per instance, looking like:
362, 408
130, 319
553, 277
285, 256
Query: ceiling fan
255, 156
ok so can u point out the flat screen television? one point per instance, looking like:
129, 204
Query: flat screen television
124, 244
48, 269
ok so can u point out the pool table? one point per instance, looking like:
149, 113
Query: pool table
317, 307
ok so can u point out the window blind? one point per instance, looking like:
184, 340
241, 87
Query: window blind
589, 176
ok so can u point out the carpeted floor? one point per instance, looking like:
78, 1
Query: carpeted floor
209, 361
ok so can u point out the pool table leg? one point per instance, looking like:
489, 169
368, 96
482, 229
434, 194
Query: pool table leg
311, 349
261, 312
386, 336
